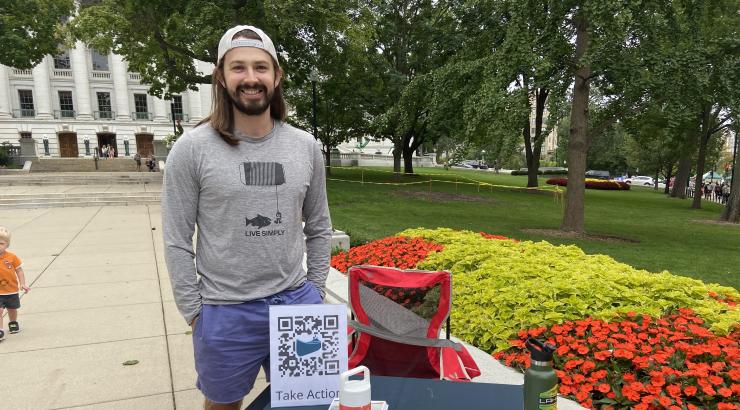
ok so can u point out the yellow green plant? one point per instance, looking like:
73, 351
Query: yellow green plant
501, 287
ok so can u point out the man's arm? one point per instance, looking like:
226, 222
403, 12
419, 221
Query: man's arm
22, 279
318, 224
180, 191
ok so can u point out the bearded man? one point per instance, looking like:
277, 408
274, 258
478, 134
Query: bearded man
255, 188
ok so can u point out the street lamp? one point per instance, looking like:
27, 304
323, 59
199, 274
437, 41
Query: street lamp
172, 110
734, 156
314, 77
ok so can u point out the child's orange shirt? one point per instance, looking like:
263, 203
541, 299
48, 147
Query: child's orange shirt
8, 278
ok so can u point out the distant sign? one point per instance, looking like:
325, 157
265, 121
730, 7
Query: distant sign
308, 352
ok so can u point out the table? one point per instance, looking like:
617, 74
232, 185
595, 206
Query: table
403, 393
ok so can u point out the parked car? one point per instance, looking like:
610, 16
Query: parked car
597, 174
640, 180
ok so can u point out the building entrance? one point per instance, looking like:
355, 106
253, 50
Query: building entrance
68, 145
107, 139
145, 144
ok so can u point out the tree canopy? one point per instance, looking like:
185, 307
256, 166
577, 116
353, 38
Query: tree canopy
31, 29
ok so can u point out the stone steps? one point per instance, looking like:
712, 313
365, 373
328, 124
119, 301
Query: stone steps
81, 178
54, 200
87, 164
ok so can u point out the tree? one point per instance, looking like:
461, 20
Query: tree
613, 53
412, 37
162, 39
731, 213
698, 50
31, 29
345, 89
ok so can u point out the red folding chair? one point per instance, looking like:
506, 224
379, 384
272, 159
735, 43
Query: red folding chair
399, 315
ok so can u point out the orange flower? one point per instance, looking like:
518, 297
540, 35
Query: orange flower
604, 388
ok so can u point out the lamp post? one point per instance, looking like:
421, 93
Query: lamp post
314, 77
172, 111
734, 156
482, 156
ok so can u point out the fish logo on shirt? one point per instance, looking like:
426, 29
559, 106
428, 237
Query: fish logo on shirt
259, 221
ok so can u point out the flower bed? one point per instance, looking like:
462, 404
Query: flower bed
593, 184
501, 287
397, 251
641, 362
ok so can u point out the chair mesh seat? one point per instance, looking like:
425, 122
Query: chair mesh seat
399, 316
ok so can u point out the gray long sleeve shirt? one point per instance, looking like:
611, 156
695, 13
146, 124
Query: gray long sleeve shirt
248, 202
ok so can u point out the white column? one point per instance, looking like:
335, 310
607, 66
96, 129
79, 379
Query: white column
194, 103
42, 89
120, 87
205, 99
205, 90
5, 104
81, 77
160, 109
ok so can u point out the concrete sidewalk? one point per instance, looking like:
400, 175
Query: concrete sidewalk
100, 296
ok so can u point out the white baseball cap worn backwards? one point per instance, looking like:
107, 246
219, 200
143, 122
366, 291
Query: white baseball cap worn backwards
228, 42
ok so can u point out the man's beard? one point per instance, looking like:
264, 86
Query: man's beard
252, 107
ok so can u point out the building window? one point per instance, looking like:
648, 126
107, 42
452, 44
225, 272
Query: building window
66, 105
99, 61
104, 108
25, 98
61, 61
25, 134
177, 107
141, 107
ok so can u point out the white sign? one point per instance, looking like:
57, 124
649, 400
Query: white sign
308, 353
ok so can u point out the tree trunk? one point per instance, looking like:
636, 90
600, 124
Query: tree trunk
702, 157
397, 158
573, 218
533, 164
668, 176
682, 177
408, 161
731, 213
327, 160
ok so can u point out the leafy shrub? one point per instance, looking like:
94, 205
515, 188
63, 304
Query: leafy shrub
593, 184
503, 286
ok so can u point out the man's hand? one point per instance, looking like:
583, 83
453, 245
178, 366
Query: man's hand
192, 324
25, 288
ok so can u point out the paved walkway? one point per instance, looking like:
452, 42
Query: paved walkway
100, 296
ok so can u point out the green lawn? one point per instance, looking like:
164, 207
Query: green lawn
667, 234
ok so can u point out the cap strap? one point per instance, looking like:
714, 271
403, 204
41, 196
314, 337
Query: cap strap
247, 42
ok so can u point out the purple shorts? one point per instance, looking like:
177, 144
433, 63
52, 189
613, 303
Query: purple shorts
232, 342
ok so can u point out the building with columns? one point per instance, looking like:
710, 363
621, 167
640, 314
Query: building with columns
76, 103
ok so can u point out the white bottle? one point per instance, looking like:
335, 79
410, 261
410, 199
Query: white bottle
355, 394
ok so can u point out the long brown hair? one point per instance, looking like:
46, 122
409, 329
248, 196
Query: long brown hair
222, 109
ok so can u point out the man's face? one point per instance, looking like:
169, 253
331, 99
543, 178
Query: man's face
3, 245
250, 79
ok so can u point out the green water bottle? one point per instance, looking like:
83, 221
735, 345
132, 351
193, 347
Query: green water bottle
540, 380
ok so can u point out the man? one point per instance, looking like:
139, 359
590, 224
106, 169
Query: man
248, 180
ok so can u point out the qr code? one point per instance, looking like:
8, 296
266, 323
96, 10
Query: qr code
308, 345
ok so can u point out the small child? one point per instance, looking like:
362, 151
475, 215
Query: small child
11, 275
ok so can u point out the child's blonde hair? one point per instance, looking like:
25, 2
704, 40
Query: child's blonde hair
4, 234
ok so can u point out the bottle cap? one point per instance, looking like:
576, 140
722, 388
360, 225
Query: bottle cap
541, 352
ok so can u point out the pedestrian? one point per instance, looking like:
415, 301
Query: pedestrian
717, 192
228, 176
104, 152
726, 193
151, 163
112, 152
12, 279
137, 159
